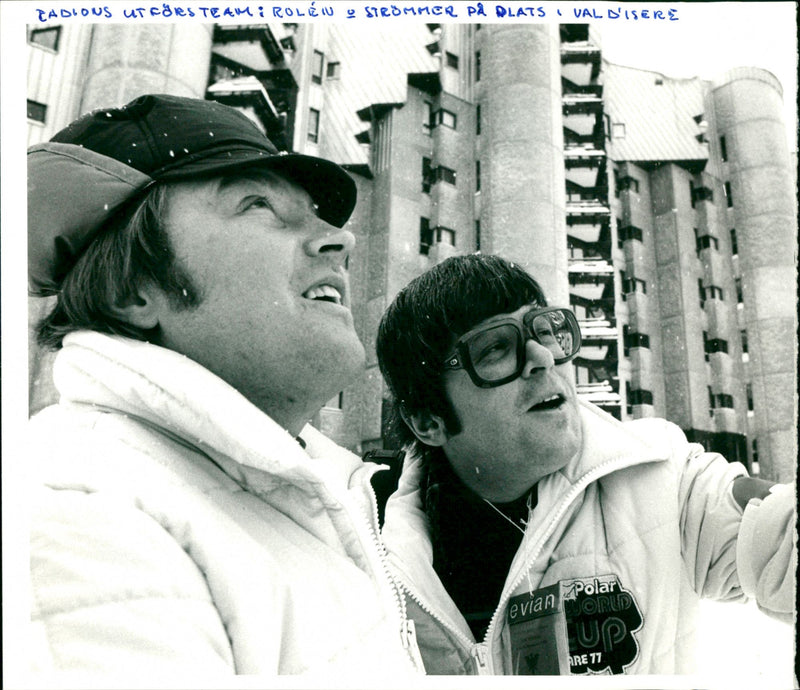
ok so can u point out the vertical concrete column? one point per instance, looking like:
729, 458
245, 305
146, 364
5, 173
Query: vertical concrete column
748, 106
523, 195
128, 61
125, 62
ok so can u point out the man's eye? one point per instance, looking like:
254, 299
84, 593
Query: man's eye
257, 202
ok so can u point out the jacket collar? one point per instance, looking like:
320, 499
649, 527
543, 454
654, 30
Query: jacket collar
166, 390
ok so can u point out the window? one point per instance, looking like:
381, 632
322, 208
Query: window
632, 284
334, 70
700, 193
755, 452
478, 119
734, 243
712, 345
316, 67
444, 117
618, 130
477, 65
723, 400
702, 292
477, 176
48, 37
442, 174
37, 111
640, 396
749, 392
446, 236
633, 339
723, 149
710, 402
313, 125
629, 232
427, 117
425, 236
427, 175
728, 194
626, 183
739, 294
743, 333
705, 242
452, 60
477, 235
713, 292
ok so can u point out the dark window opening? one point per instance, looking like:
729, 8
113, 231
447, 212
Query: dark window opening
723, 149
728, 194
37, 111
334, 70
477, 65
478, 119
316, 67
425, 236
313, 125
427, 175
477, 176
452, 60
477, 235
48, 37
734, 242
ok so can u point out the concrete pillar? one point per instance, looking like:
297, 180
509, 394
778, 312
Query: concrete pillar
748, 112
128, 61
523, 196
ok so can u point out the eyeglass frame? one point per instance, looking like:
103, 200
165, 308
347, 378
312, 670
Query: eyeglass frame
460, 358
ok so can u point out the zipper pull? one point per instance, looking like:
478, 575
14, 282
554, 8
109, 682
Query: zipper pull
480, 658
408, 637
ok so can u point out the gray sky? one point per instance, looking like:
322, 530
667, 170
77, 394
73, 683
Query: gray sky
711, 38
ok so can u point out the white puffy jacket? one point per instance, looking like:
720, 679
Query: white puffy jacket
623, 543
177, 531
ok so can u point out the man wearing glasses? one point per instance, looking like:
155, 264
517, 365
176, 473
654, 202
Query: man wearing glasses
532, 532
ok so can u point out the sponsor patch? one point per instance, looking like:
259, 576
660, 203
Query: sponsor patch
579, 626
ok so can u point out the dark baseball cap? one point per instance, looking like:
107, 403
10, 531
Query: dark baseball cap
95, 166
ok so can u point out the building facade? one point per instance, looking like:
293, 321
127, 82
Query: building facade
662, 210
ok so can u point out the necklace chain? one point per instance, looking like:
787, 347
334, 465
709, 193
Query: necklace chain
508, 519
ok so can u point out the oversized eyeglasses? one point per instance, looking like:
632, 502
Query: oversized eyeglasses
494, 353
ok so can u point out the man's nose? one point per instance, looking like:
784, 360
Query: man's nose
331, 243
537, 356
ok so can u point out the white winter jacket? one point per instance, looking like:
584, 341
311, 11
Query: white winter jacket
623, 543
177, 531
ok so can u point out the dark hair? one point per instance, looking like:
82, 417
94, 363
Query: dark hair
423, 322
132, 249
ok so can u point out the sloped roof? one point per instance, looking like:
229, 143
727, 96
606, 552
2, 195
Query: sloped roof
375, 64
659, 118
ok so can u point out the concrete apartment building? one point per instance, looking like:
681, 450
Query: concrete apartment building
662, 210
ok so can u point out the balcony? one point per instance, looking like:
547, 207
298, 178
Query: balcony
598, 329
587, 211
601, 393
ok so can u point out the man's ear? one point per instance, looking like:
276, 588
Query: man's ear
428, 428
141, 309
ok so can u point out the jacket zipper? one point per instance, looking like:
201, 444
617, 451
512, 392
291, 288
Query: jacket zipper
478, 651
408, 634
587, 479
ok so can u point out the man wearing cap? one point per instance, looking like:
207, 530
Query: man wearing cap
186, 518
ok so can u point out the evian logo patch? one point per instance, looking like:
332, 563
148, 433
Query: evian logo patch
601, 617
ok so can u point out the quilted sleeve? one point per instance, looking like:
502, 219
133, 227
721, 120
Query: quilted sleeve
765, 553
113, 594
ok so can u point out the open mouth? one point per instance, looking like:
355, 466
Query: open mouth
324, 293
550, 403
